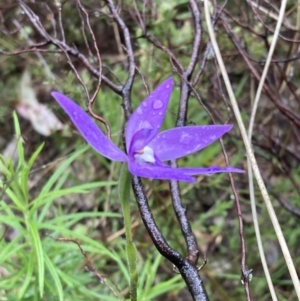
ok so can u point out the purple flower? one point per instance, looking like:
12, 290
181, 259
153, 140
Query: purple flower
146, 148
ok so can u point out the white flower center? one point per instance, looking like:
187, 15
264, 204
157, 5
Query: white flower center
145, 155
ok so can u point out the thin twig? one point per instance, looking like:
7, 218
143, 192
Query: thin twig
66, 48
251, 156
92, 99
126, 89
292, 116
90, 267
250, 131
244, 270
191, 241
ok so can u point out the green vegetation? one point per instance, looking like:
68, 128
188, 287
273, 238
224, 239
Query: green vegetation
62, 234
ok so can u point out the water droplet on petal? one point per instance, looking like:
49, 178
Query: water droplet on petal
157, 104
139, 111
160, 113
145, 104
185, 138
75, 116
145, 125
167, 86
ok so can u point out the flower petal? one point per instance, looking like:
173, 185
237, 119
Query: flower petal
158, 172
181, 141
139, 141
89, 130
150, 113
208, 170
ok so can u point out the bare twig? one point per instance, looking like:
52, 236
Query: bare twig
126, 89
251, 156
66, 48
295, 118
191, 242
90, 268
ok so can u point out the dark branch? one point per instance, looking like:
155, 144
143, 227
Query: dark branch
188, 271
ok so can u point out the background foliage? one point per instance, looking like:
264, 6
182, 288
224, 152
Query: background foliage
58, 195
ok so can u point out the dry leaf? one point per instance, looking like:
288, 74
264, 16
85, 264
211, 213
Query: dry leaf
42, 119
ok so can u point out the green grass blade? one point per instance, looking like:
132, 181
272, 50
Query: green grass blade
20, 147
124, 196
46, 188
34, 155
11, 249
39, 255
52, 270
16, 199
27, 279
